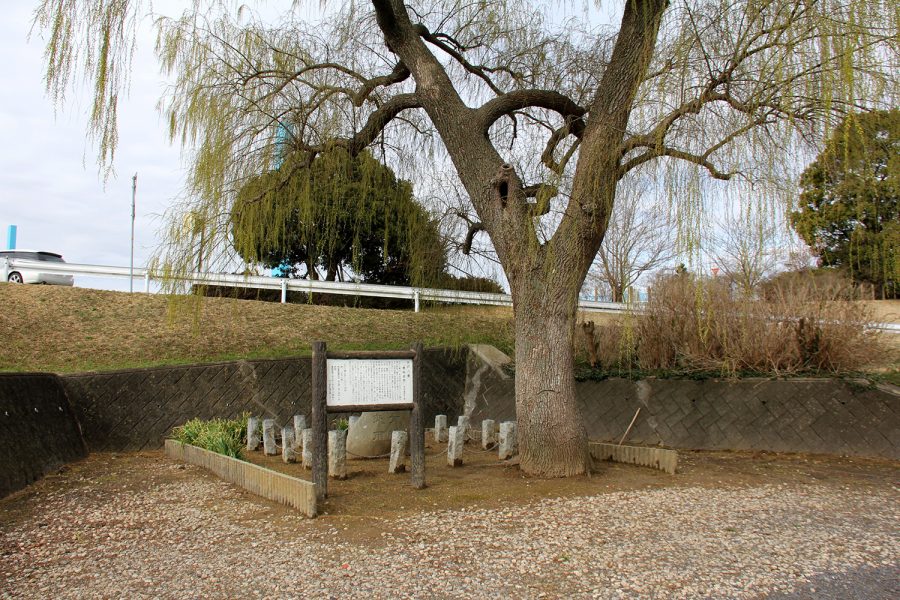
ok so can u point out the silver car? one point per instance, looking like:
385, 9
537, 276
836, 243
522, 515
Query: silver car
33, 274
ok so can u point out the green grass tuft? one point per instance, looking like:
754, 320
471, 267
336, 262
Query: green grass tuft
222, 436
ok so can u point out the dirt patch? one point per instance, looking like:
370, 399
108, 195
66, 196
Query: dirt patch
729, 525
486, 482
364, 506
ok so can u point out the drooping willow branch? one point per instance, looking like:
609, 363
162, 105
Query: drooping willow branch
355, 144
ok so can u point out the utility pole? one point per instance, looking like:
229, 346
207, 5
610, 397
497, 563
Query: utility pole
133, 194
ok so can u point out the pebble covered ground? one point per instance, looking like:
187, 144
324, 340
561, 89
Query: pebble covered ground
181, 533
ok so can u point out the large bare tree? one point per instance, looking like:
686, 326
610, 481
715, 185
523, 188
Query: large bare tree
540, 117
749, 245
638, 239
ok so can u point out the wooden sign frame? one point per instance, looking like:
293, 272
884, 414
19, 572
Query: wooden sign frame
320, 410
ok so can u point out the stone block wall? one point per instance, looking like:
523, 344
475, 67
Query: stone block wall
829, 416
46, 420
136, 409
38, 429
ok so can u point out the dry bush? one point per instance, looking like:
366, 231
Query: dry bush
699, 325
823, 284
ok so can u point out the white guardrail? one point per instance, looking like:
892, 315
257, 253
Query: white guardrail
288, 285
312, 286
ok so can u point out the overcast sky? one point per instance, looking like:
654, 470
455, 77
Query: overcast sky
50, 186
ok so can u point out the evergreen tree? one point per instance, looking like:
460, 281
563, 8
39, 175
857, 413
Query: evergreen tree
849, 210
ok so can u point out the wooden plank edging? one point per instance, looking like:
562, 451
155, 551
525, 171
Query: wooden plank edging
655, 458
269, 484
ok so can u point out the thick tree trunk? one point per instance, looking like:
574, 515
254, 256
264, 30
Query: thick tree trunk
544, 277
552, 438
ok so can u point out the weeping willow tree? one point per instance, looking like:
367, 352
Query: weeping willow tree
538, 116
341, 216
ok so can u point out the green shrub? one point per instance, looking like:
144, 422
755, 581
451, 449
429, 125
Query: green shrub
223, 436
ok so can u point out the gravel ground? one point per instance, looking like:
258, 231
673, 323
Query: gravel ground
182, 533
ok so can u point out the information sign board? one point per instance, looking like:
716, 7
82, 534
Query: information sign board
369, 382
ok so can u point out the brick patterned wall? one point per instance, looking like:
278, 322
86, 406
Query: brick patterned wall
136, 409
829, 416
804, 415
38, 430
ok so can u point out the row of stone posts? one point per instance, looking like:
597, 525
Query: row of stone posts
455, 437
294, 443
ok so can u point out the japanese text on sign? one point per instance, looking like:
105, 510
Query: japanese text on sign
364, 382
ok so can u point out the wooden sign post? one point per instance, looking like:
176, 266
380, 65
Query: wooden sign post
361, 382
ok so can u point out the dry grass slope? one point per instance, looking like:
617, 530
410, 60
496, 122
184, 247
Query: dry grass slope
45, 328
59, 329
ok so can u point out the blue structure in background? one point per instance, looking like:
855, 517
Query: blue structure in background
282, 270
282, 135
11, 238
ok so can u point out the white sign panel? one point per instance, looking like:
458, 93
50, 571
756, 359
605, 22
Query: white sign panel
362, 382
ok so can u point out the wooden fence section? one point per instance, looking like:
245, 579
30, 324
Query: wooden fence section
656, 458
263, 482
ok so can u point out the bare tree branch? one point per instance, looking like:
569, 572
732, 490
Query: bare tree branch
470, 236
378, 120
398, 75
697, 159
508, 103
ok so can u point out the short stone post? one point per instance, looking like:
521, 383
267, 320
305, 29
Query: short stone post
299, 426
337, 454
269, 446
306, 439
288, 452
440, 428
463, 423
252, 433
399, 440
509, 445
455, 447
488, 433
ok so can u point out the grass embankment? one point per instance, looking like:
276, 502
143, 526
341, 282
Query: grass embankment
66, 330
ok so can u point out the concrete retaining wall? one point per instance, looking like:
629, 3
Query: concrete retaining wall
38, 429
135, 409
47, 420
829, 416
